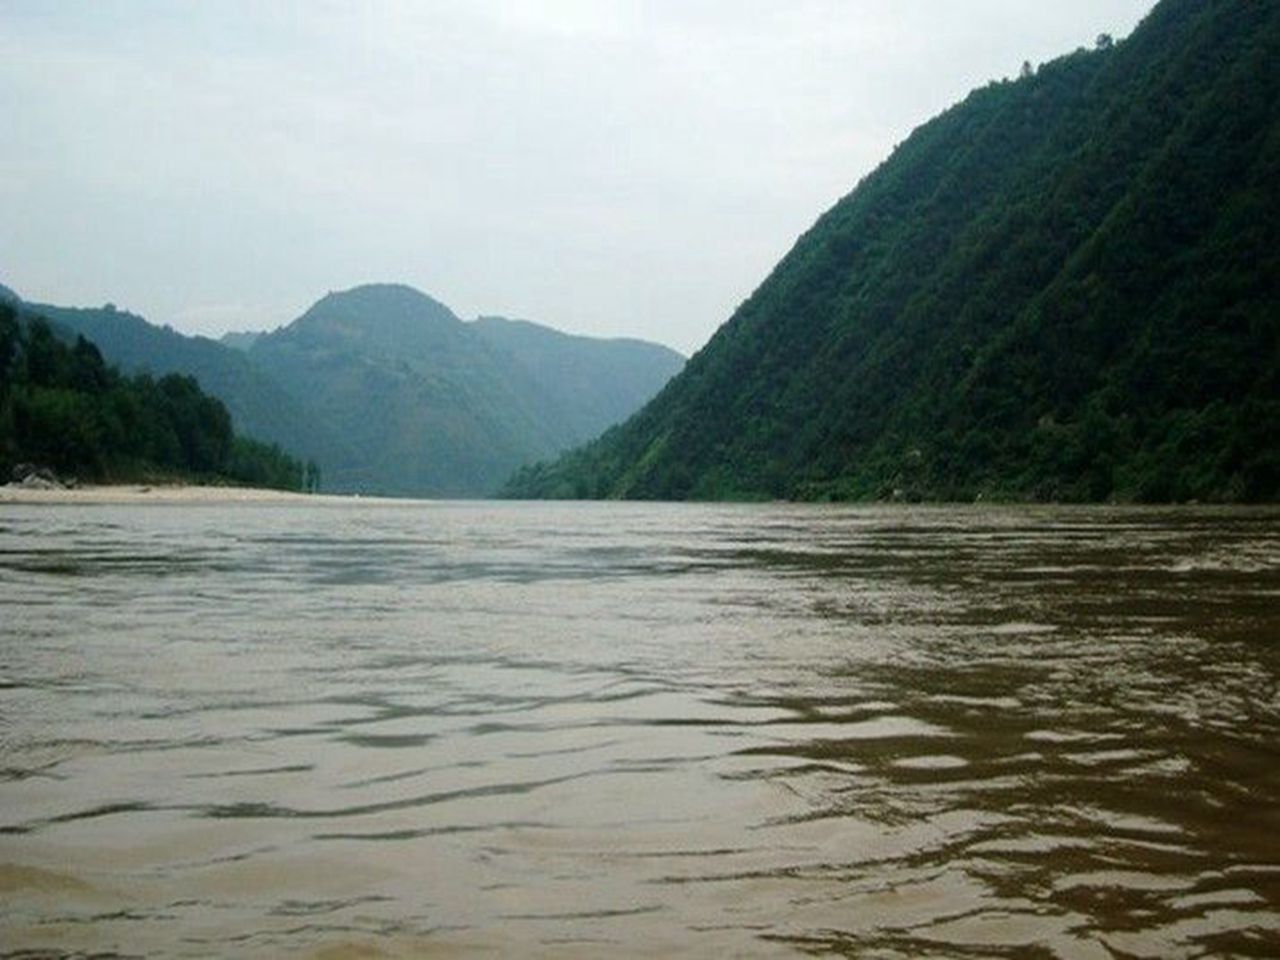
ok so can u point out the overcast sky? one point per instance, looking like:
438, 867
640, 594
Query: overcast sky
611, 168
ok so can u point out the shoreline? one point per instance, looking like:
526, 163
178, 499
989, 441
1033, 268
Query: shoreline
198, 494
159, 493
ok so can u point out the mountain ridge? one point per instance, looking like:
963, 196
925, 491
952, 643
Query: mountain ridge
1009, 306
390, 392
64, 409
400, 366
258, 407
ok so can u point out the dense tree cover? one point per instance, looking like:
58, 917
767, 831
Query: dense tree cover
430, 405
390, 393
63, 407
259, 407
583, 385
1064, 288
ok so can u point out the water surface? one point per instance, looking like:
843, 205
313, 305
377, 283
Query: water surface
345, 729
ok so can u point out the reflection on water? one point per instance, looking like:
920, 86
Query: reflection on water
353, 730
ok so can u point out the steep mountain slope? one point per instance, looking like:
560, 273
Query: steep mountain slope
588, 384
1065, 287
425, 407
62, 407
259, 407
430, 405
390, 393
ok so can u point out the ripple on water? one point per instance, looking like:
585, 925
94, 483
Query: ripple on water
940, 761
412, 729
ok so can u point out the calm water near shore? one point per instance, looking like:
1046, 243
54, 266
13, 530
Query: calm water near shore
347, 729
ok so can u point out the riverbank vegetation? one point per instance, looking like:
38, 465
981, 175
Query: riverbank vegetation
64, 408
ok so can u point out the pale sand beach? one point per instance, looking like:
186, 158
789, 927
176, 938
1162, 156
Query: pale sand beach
159, 493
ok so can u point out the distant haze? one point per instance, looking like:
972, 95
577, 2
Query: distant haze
609, 168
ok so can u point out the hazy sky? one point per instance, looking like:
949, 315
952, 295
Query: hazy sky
612, 168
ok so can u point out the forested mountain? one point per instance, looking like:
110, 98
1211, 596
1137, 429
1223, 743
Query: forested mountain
258, 406
1066, 287
390, 393
587, 384
63, 407
431, 405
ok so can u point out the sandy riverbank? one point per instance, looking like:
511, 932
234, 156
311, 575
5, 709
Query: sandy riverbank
140, 493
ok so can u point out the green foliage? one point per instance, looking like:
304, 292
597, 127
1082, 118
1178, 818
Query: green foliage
259, 407
1065, 288
389, 392
429, 405
266, 465
63, 407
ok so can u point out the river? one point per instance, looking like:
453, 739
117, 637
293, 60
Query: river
345, 729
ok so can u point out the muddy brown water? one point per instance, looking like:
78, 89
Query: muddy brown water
364, 730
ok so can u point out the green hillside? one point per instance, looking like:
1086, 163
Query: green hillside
63, 407
1066, 288
430, 405
586, 384
390, 393
259, 407
425, 407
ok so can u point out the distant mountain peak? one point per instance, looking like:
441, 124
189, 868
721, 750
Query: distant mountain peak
389, 392
389, 313
395, 297
7, 295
